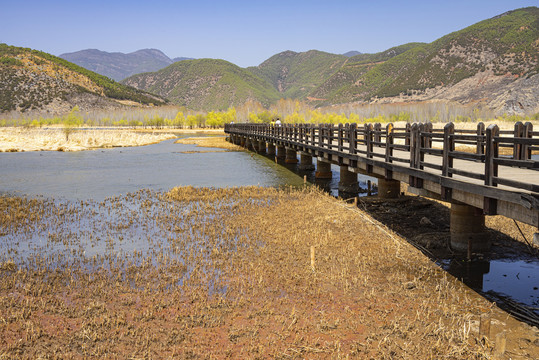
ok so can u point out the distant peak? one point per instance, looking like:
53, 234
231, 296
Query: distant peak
352, 53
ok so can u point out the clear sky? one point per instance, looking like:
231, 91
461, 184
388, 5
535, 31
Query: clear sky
243, 32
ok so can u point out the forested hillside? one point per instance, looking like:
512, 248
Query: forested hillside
205, 84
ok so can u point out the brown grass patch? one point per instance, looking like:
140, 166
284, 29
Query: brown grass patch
227, 274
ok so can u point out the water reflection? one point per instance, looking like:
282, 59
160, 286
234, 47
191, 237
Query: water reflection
499, 278
330, 185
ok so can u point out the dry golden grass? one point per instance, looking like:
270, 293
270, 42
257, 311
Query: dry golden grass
215, 142
21, 139
227, 273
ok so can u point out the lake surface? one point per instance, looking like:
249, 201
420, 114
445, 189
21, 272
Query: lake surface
98, 174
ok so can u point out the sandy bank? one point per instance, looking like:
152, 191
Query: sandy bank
21, 139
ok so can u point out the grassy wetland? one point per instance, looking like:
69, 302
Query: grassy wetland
236, 272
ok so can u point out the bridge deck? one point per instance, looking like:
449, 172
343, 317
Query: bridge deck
454, 165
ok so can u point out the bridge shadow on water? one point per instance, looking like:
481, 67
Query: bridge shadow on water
507, 275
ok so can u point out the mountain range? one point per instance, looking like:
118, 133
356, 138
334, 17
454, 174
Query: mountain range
493, 63
35, 80
117, 65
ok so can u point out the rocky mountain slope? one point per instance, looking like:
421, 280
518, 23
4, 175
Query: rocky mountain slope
495, 61
34, 80
205, 84
117, 65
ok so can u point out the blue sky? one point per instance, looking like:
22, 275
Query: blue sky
243, 32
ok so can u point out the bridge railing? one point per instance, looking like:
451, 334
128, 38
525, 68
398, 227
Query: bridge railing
417, 146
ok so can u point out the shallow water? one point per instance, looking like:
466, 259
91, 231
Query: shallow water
498, 279
103, 173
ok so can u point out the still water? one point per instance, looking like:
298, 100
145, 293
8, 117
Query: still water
103, 173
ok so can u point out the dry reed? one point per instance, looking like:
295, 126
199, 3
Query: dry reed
227, 273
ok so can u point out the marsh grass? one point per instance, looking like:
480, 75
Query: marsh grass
226, 273
55, 139
213, 142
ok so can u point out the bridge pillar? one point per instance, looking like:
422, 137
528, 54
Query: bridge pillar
388, 189
348, 181
323, 170
281, 152
243, 140
262, 147
305, 162
291, 156
247, 143
271, 149
467, 224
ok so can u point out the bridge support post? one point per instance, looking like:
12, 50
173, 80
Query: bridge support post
243, 140
291, 157
323, 170
262, 147
281, 152
305, 162
467, 228
348, 181
271, 149
388, 189
248, 143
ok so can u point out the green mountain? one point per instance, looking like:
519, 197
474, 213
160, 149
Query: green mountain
494, 62
342, 85
205, 84
296, 75
119, 66
35, 80
504, 46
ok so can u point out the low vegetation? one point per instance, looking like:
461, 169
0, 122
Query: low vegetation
239, 272
288, 111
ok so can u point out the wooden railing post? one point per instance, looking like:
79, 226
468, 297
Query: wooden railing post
389, 149
313, 133
377, 135
480, 148
491, 153
414, 133
422, 140
408, 129
448, 147
389, 142
527, 133
368, 140
340, 138
427, 140
352, 140
519, 130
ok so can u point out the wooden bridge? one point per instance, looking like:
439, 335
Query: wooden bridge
484, 171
